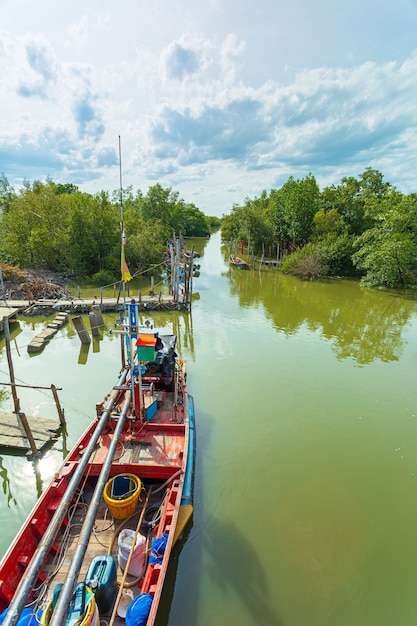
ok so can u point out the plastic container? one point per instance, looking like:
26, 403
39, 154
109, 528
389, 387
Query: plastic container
125, 543
146, 347
83, 610
102, 579
146, 353
125, 600
121, 494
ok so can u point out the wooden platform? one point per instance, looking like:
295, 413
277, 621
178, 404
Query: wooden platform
103, 538
39, 341
9, 312
83, 305
12, 434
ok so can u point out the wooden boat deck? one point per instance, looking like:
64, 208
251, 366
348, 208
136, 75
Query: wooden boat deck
103, 541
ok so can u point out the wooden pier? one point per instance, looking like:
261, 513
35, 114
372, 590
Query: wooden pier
19, 432
13, 436
157, 302
8, 311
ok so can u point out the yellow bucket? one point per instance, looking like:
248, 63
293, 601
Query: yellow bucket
121, 495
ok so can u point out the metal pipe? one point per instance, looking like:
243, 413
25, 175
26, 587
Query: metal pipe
32, 572
61, 609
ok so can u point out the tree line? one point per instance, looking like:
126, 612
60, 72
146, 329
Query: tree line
58, 227
363, 226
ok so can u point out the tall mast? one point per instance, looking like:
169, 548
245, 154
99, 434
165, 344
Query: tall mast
124, 271
122, 231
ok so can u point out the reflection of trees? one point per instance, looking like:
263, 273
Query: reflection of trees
362, 324
6, 484
3, 396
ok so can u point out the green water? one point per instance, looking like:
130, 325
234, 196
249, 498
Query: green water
306, 406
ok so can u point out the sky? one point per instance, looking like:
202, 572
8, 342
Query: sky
218, 100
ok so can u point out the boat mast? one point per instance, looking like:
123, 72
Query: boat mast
125, 276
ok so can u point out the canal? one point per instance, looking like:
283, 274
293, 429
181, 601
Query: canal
306, 408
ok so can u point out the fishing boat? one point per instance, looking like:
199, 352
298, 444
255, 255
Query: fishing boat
191, 254
238, 262
97, 544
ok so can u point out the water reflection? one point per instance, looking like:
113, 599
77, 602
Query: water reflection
234, 563
170, 579
362, 324
6, 484
83, 354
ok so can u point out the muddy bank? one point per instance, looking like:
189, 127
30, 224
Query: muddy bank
35, 284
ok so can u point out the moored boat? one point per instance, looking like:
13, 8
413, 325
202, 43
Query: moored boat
98, 542
238, 262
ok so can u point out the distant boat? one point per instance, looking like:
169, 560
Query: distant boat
190, 254
238, 262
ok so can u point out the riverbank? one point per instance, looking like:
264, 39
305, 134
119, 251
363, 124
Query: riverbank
35, 284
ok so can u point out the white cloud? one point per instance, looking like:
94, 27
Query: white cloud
202, 99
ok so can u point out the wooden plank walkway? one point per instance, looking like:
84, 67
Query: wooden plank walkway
12, 434
40, 340
83, 305
9, 312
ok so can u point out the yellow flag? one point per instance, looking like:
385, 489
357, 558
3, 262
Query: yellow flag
125, 270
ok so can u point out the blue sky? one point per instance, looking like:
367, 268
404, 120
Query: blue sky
217, 99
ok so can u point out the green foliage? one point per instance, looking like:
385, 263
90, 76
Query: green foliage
294, 208
328, 257
66, 188
214, 222
58, 227
93, 233
103, 277
306, 263
189, 221
388, 251
250, 223
146, 248
353, 197
363, 225
34, 230
7, 194
326, 222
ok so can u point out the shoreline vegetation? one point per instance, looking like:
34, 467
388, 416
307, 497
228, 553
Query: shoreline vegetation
362, 228
56, 227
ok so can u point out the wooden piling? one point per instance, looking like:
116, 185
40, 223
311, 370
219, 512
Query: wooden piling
81, 329
20, 415
58, 406
99, 315
95, 331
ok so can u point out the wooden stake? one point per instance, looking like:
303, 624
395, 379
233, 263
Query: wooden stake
58, 406
21, 416
132, 549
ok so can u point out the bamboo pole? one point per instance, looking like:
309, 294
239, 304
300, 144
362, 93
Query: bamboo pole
132, 549
58, 406
20, 415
